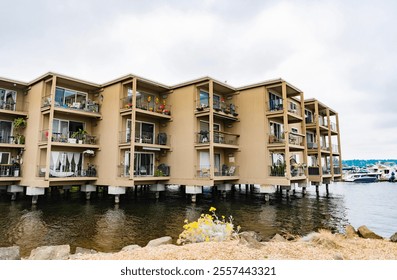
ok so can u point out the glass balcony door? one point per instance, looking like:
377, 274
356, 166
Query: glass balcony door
143, 164
8, 99
5, 132
144, 132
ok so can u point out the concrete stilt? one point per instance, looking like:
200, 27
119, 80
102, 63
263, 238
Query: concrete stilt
13, 196
87, 195
293, 191
267, 197
304, 190
326, 189
34, 199
194, 190
194, 198
116, 198
157, 195
116, 191
287, 193
317, 191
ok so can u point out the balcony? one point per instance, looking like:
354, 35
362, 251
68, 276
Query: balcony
203, 171
335, 149
160, 171
148, 138
326, 171
277, 139
275, 105
298, 171
226, 171
85, 107
10, 170
15, 108
74, 172
277, 170
143, 106
312, 146
296, 140
72, 137
333, 126
313, 171
7, 139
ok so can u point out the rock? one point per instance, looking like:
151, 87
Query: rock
253, 234
248, 239
130, 248
393, 238
364, 232
80, 250
160, 241
338, 256
310, 237
10, 253
60, 252
278, 238
350, 232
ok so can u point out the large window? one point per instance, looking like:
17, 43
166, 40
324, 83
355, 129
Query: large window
70, 98
6, 132
66, 164
275, 102
276, 129
204, 99
144, 132
145, 101
4, 158
143, 164
308, 116
128, 130
64, 129
217, 102
8, 99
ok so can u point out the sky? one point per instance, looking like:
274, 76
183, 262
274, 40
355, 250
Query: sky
343, 53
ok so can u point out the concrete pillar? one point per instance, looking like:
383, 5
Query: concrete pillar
88, 189
326, 189
304, 190
267, 197
224, 188
157, 188
287, 193
14, 189
35, 192
13, 196
194, 190
317, 191
116, 191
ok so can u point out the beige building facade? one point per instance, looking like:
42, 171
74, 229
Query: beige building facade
62, 131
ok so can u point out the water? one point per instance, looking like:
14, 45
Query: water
100, 225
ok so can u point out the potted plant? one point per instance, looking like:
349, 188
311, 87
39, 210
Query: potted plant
19, 124
79, 135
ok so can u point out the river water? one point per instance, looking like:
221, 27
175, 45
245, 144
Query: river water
99, 224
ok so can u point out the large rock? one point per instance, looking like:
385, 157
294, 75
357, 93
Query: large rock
350, 231
393, 238
278, 238
248, 239
130, 248
10, 253
80, 250
160, 241
364, 232
60, 252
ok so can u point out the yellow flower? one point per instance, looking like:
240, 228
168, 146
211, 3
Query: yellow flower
185, 221
212, 209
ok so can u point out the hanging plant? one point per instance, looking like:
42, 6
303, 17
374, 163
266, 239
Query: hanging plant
149, 98
157, 100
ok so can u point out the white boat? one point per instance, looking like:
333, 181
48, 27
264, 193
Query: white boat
384, 170
362, 177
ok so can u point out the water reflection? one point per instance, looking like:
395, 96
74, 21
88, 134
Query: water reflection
110, 230
28, 232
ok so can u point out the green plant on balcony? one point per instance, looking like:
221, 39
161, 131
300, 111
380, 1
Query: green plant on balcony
79, 134
158, 173
19, 124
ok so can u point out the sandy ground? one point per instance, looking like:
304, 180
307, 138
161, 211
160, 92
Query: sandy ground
324, 247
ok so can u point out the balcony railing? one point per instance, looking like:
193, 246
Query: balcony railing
276, 105
313, 170
226, 108
295, 139
69, 172
148, 138
225, 138
226, 171
326, 171
203, 171
276, 139
297, 171
71, 137
337, 171
7, 138
277, 170
84, 106
294, 108
162, 170
203, 137
14, 106
10, 170
312, 145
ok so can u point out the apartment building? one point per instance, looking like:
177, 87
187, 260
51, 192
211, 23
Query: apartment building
132, 131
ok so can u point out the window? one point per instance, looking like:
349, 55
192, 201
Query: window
127, 163
65, 162
62, 129
276, 129
294, 130
8, 99
292, 107
310, 137
275, 102
308, 116
144, 132
6, 132
217, 102
145, 101
143, 164
204, 99
217, 163
70, 98
4, 158
128, 131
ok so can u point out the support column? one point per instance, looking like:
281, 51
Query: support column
117, 191
267, 197
326, 189
88, 189
317, 191
194, 190
224, 188
304, 190
157, 188
14, 189
35, 192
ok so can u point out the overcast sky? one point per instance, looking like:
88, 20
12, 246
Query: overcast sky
343, 53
